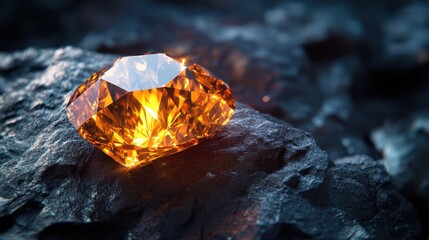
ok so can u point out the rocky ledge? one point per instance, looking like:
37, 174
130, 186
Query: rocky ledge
257, 178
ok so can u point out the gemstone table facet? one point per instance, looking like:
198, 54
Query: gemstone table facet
144, 107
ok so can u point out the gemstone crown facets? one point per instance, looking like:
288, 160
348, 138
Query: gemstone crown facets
144, 107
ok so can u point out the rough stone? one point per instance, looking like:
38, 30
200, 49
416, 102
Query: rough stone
404, 144
257, 178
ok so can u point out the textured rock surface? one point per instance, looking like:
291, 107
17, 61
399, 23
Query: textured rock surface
404, 144
258, 177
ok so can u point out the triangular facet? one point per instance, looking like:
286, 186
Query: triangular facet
187, 81
85, 106
87, 84
108, 93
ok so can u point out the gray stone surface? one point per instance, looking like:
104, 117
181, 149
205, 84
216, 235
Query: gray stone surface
257, 178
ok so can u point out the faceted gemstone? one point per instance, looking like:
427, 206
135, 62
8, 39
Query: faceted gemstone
144, 107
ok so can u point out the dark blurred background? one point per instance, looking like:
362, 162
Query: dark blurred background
354, 73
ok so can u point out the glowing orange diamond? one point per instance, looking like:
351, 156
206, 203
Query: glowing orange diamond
144, 107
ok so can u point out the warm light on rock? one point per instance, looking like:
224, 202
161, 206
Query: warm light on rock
144, 107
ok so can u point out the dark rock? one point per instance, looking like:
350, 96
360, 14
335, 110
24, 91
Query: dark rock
257, 178
404, 145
